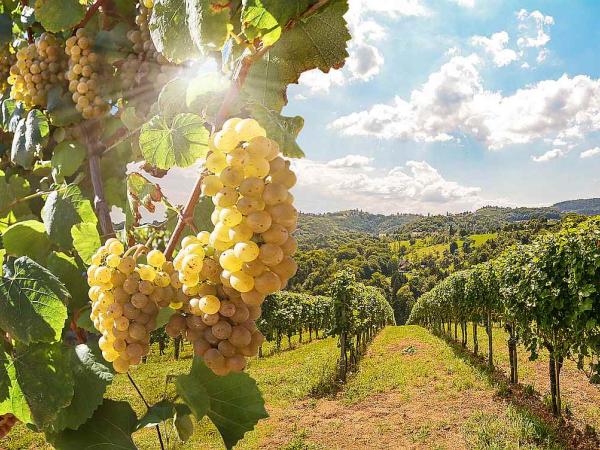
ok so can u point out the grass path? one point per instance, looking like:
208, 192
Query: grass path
412, 391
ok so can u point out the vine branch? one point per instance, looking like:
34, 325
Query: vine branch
89, 14
94, 149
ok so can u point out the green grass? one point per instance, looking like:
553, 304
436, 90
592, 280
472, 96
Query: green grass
422, 247
284, 377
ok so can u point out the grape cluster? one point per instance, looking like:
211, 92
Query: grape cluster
226, 274
39, 66
7, 422
84, 76
126, 297
7, 59
145, 68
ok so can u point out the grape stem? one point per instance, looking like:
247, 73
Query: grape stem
89, 14
135, 386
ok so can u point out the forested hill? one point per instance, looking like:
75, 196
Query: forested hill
588, 206
484, 220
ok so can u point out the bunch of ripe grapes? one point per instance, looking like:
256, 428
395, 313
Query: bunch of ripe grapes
145, 69
7, 421
218, 280
84, 76
39, 67
126, 297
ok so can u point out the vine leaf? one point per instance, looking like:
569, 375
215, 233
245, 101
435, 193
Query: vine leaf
29, 139
33, 307
208, 22
27, 238
141, 192
317, 42
66, 159
41, 383
65, 268
110, 427
59, 15
265, 19
169, 30
179, 144
233, 403
12, 399
91, 377
284, 130
160, 412
86, 240
62, 210
183, 422
5, 27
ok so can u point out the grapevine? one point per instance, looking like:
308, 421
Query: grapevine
99, 101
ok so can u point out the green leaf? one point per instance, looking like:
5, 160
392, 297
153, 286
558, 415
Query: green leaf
203, 88
41, 383
27, 238
163, 317
208, 21
266, 18
61, 108
33, 302
159, 413
141, 192
86, 240
169, 30
109, 428
12, 399
62, 210
73, 277
183, 425
66, 159
179, 144
233, 403
29, 138
284, 130
59, 15
91, 375
84, 321
5, 28
318, 41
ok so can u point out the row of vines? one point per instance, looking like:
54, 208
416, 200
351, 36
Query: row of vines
546, 294
99, 101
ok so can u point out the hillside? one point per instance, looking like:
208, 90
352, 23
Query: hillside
588, 207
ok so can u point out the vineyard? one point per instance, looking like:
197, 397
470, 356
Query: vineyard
160, 288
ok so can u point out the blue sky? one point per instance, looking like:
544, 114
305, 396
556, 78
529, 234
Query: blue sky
449, 105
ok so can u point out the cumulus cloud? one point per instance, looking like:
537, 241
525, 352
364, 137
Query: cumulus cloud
549, 155
365, 60
352, 182
454, 102
495, 46
590, 153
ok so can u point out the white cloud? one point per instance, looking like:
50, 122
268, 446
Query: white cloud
365, 60
549, 155
351, 161
454, 102
590, 153
495, 46
534, 30
416, 187
465, 3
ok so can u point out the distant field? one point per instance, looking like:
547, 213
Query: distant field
420, 247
